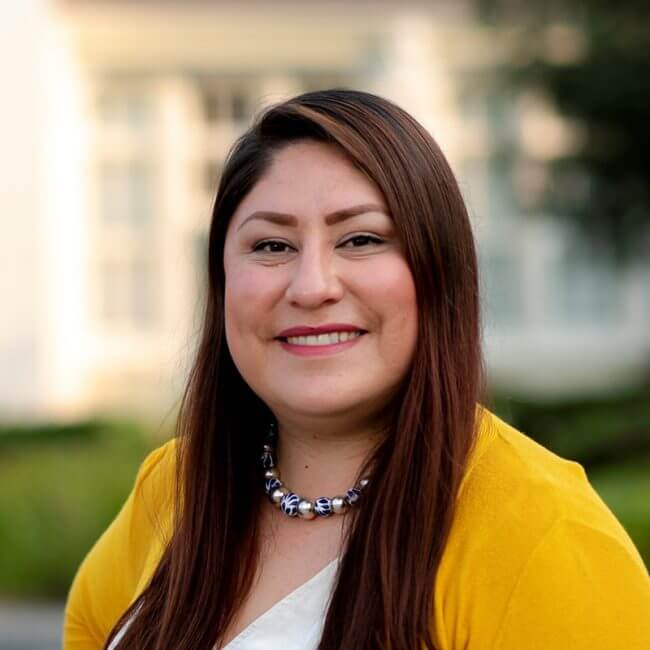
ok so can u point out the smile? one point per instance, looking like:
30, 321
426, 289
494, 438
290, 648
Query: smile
320, 344
330, 338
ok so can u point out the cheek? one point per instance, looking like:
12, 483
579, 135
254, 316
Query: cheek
246, 299
394, 294
242, 317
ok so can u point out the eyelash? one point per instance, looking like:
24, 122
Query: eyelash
257, 248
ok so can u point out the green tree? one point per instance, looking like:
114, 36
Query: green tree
601, 81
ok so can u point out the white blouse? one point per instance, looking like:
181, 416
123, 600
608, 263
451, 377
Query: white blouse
293, 623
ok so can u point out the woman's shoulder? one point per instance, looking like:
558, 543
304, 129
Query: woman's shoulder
157, 474
530, 534
150, 504
515, 490
511, 478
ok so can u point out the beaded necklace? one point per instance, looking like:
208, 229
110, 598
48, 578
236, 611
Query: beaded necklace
292, 504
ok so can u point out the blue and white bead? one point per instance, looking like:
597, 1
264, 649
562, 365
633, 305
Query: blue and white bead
323, 506
289, 504
271, 484
352, 496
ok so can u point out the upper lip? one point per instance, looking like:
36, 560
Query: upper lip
306, 330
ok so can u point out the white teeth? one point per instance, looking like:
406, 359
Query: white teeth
323, 339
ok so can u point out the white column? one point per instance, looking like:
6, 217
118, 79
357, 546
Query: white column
417, 76
41, 207
180, 152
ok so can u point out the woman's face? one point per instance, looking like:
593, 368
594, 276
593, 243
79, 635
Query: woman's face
312, 249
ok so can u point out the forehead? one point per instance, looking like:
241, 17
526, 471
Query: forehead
309, 179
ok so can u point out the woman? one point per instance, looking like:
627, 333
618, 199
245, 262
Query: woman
335, 483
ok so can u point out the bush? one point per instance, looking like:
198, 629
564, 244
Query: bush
593, 431
625, 488
59, 489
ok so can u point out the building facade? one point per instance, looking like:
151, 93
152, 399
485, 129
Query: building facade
117, 120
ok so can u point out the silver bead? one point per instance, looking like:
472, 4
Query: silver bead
306, 509
272, 472
268, 447
278, 494
363, 482
339, 505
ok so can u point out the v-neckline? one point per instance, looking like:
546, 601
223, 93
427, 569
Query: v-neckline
233, 644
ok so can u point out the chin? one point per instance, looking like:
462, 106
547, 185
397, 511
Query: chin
319, 404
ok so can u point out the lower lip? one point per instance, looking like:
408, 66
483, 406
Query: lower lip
319, 350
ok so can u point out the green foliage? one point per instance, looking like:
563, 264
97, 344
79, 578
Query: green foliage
625, 488
59, 489
593, 430
605, 88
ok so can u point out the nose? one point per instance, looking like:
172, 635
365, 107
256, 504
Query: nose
314, 280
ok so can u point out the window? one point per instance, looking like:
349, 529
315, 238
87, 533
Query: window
501, 289
584, 291
227, 101
125, 245
128, 290
124, 105
125, 192
239, 105
142, 291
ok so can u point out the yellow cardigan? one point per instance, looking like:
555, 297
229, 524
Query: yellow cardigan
535, 560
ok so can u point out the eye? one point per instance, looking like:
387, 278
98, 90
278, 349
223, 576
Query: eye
271, 246
361, 240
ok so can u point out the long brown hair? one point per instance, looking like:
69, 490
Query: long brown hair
384, 592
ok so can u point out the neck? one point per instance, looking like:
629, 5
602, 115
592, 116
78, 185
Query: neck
323, 457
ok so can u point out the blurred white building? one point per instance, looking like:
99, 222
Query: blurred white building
115, 120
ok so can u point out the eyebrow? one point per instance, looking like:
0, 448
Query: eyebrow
284, 219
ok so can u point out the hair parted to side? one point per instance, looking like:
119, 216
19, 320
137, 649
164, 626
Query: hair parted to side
384, 592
